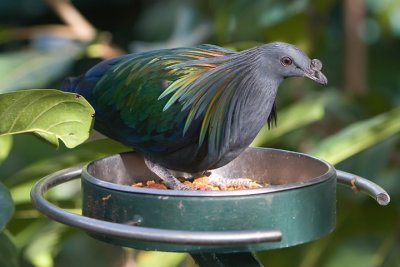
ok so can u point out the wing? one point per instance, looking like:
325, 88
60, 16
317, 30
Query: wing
129, 95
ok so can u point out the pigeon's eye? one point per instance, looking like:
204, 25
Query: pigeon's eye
286, 61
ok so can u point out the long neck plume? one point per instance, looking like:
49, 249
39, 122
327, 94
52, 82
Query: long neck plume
226, 95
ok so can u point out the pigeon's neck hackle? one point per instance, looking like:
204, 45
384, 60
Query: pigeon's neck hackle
242, 104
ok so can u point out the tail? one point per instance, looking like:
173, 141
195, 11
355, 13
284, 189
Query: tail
83, 84
80, 85
70, 84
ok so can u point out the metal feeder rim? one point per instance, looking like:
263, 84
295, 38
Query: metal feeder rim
117, 230
201, 238
271, 188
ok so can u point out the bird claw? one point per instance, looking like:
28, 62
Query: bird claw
170, 181
223, 183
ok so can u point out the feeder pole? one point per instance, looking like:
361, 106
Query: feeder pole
242, 259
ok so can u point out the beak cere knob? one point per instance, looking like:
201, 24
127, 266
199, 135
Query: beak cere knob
316, 64
314, 72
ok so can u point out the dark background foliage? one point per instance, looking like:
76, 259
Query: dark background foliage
353, 123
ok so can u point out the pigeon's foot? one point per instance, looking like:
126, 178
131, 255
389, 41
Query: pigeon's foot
220, 181
170, 181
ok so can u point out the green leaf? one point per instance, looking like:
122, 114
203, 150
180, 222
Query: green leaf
5, 145
104, 147
87, 250
358, 136
6, 206
50, 114
289, 120
353, 252
84, 153
8, 251
43, 243
32, 68
160, 259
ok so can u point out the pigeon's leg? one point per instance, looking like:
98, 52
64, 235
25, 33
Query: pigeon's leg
165, 175
218, 180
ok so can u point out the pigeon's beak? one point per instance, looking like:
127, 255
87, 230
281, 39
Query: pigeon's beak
314, 72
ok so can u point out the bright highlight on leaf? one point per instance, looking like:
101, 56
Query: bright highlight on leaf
289, 120
5, 146
358, 136
34, 68
50, 114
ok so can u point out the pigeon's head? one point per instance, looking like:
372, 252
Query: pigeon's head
286, 60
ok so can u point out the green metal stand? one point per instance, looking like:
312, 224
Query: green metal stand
242, 259
109, 208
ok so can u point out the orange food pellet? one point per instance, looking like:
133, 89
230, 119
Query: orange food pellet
200, 183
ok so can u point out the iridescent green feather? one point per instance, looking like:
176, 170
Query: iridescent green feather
138, 86
210, 96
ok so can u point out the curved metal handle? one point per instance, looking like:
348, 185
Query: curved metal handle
118, 230
358, 183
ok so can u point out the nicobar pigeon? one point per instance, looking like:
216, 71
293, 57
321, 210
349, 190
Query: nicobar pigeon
190, 109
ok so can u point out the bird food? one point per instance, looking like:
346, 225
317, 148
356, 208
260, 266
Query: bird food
201, 183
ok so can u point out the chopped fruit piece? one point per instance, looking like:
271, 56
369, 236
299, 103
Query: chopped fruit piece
200, 183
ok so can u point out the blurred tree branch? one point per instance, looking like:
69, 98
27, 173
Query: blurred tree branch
355, 49
56, 30
70, 15
77, 27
